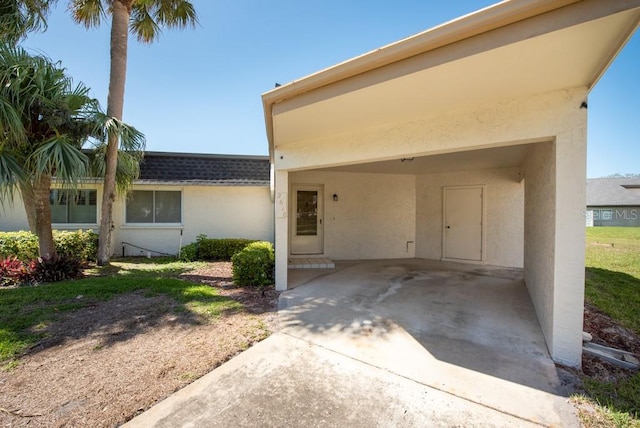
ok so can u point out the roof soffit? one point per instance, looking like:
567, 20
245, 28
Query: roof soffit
568, 47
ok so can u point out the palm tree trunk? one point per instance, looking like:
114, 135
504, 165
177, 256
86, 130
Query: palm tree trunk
115, 104
41, 189
29, 202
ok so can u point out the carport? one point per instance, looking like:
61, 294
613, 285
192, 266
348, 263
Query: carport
466, 143
464, 329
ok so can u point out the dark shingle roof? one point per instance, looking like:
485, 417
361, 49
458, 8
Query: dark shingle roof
191, 168
613, 192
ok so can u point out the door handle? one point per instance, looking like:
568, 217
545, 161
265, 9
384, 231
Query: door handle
448, 227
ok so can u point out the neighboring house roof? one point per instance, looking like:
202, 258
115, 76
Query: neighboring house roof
613, 192
204, 169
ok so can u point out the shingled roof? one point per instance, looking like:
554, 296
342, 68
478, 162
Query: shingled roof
613, 192
204, 169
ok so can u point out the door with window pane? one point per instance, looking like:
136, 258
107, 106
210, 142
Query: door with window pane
306, 224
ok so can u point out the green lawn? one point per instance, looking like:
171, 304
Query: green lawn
613, 273
613, 286
26, 311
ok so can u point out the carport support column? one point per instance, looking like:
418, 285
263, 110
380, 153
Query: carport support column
570, 183
281, 228
554, 229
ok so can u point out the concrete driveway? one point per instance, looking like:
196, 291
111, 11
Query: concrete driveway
386, 343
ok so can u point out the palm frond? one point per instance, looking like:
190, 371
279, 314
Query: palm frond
11, 174
176, 13
127, 171
87, 12
130, 139
19, 17
142, 24
11, 127
149, 16
61, 159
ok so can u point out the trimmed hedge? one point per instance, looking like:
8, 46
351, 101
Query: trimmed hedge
210, 249
254, 265
81, 245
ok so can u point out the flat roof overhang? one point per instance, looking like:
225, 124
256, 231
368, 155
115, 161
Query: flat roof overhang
513, 49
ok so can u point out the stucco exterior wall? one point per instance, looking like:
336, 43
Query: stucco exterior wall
539, 254
216, 211
555, 195
374, 217
554, 229
511, 121
504, 208
12, 216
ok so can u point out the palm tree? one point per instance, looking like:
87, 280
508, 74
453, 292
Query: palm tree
44, 122
144, 18
18, 17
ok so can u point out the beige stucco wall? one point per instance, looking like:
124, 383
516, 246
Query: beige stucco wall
217, 211
374, 217
504, 213
540, 202
554, 229
511, 121
12, 216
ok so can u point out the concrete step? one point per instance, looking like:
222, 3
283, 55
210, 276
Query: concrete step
311, 263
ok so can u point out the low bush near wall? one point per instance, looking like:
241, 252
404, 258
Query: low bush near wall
81, 245
16, 272
13, 272
54, 269
20, 245
210, 249
254, 265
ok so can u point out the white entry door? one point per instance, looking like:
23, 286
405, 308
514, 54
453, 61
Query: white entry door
463, 223
306, 219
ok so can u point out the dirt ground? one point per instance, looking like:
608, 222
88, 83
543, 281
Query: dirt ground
606, 332
105, 364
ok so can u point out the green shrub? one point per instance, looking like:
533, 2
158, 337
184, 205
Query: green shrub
24, 245
21, 245
210, 249
54, 269
189, 253
254, 265
79, 244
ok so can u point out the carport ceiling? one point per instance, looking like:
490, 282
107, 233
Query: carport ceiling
500, 157
567, 48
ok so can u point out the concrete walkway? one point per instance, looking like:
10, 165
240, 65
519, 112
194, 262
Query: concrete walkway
389, 343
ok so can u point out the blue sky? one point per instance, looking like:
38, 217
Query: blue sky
199, 90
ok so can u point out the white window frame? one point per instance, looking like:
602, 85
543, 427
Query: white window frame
69, 225
130, 225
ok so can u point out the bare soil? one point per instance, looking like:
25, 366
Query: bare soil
608, 333
104, 364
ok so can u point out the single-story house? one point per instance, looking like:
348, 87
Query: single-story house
613, 201
466, 142
177, 197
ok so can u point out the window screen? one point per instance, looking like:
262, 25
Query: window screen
73, 206
154, 206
